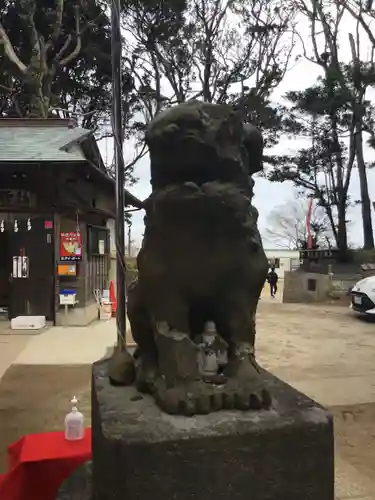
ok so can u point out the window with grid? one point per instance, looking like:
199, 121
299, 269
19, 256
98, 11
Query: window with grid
98, 259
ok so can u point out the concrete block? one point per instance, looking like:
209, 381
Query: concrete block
140, 452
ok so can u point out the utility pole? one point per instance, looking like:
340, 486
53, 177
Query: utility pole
120, 366
120, 179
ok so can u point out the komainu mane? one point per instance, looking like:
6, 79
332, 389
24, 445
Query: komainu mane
202, 265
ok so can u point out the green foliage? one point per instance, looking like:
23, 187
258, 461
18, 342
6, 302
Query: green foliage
328, 114
341, 97
131, 263
361, 256
82, 84
324, 168
222, 51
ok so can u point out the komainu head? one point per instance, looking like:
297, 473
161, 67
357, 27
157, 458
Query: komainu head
200, 142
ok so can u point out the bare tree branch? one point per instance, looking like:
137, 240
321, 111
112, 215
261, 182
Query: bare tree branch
359, 17
139, 156
78, 46
9, 51
286, 225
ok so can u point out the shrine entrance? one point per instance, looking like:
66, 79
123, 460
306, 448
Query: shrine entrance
27, 271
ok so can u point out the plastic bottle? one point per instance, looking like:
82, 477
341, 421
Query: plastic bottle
74, 423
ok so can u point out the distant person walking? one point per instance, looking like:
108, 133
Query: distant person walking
272, 279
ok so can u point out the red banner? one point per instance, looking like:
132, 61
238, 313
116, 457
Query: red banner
70, 246
308, 225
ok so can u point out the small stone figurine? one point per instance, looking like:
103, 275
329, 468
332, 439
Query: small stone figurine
213, 355
74, 423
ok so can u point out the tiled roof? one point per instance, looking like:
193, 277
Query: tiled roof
41, 143
33, 140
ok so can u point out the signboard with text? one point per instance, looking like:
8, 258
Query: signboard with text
70, 246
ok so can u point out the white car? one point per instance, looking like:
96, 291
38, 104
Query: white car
363, 296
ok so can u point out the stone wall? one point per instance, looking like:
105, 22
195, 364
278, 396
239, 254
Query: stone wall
340, 287
306, 287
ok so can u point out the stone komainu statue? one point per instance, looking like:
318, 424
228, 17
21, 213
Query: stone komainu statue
202, 265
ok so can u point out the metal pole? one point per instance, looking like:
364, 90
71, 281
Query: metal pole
120, 180
129, 240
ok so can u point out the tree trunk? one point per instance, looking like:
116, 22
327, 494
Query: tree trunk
368, 236
358, 112
328, 210
342, 236
36, 101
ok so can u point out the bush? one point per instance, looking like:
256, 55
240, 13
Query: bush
131, 263
361, 256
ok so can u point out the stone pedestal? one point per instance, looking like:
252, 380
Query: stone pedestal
139, 452
78, 485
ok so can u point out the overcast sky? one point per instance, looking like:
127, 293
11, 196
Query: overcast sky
269, 195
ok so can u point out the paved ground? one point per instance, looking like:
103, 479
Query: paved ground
329, 355
62, 345
322, 351
10, 347
69, 345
